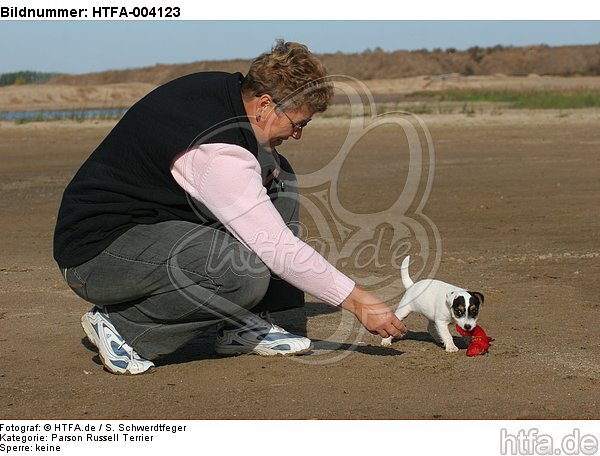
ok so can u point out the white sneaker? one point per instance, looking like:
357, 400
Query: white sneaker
116, 355
255, 335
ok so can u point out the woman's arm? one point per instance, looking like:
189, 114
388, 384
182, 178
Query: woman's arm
226, 179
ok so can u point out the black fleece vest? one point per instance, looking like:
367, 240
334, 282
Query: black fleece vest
127, 179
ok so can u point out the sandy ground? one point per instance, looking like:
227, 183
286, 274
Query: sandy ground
515, 200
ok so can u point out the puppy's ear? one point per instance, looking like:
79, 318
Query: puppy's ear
477, 295
450, 298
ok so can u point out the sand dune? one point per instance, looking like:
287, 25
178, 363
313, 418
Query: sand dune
123, 95
53, 97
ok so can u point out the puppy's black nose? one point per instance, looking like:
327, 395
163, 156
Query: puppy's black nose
468, 327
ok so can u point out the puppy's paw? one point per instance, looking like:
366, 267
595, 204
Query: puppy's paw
387, 342
451, 348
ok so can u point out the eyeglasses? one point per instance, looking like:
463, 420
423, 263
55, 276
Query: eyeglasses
297, 127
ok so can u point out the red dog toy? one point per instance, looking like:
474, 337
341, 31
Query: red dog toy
480, 341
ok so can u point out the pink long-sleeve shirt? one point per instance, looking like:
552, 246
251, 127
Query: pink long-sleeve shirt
226, 178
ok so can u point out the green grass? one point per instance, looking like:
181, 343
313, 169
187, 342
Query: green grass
25, 77
415, 108
520, 100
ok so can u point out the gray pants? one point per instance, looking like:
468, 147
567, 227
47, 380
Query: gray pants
164, 284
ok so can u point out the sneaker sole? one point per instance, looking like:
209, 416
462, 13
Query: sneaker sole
87, 329
258, 351
90, 334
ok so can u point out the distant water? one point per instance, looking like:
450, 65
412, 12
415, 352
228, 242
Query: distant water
83, 114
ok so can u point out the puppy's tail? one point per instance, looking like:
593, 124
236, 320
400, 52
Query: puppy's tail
406, 280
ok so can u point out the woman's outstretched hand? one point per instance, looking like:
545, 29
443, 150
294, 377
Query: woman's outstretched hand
373, 314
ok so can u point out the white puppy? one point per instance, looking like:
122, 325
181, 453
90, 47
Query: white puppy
441, 303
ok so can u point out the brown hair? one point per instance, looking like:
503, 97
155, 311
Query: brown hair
292, 75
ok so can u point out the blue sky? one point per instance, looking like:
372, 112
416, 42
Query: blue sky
86, 46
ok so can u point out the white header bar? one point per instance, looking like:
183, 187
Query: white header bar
297, 10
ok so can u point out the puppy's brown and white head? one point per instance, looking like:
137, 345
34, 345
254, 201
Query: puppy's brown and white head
464, 307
